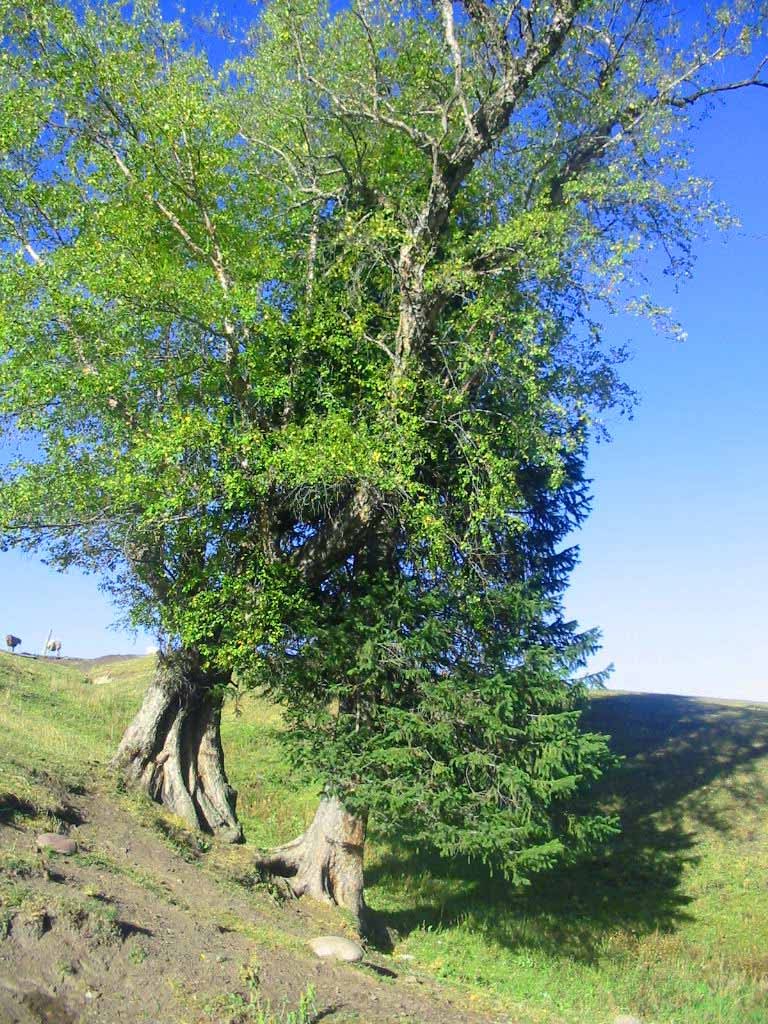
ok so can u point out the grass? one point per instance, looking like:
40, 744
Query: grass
236, 1008
72, 721
57, 728
104, 863
670, 925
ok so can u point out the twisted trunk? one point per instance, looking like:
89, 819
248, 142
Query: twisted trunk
172, 749
326, 862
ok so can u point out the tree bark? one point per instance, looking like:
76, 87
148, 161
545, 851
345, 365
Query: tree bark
172, 749
326, 862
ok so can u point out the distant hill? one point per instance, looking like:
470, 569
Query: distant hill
102, 659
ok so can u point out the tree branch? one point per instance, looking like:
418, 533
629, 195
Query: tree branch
335, 539
449, 30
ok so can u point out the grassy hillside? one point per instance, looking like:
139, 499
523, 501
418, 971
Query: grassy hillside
671, 925
55, 714
147, 922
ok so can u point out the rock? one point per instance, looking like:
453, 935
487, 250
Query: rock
627, 1019
58, 844
337, 948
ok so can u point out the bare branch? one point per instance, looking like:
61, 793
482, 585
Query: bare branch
336, 537
380, 344
449, 29
314, 233
159, 205
21, 238
714, 90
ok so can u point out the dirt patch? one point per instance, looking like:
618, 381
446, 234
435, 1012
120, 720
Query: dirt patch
130, 932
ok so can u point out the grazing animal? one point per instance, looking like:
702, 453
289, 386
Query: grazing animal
12, 642
54, 646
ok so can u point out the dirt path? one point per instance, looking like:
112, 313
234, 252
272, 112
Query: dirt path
129, 932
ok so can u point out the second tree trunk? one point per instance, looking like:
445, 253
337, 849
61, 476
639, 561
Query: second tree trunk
326, 862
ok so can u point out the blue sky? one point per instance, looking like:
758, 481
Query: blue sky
674, 559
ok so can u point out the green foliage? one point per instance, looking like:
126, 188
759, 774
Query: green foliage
303, 354
448, 709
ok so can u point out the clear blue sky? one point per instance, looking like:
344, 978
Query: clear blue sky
674, 559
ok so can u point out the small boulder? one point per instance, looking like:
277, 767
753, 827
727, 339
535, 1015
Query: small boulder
58, 844
336, 948
626, 1019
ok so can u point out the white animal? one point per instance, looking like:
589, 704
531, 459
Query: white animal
54, 646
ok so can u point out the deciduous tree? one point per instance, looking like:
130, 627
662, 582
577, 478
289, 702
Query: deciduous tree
309, 351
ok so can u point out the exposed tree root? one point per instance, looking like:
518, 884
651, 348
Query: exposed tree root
326, 862
172, 749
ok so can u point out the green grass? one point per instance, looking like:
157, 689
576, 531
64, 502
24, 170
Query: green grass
52, 713
55, 726
670, 925
236, 1008
57, 729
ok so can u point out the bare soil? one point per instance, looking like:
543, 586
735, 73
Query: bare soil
169, 940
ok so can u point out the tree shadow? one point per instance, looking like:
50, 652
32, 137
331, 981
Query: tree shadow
55, 801
674, 749
12, 805
326, 1012
128, 928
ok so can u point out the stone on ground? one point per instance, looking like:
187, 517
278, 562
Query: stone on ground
337, 948
627, 1019
58, 844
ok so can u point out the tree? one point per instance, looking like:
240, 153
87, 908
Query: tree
117, 348
484, 178
440, 699
310, 348
144, 356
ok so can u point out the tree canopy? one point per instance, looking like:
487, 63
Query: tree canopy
304, 353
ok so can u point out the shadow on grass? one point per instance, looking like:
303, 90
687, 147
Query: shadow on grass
14, 808
128, 928
12, 805
674, 747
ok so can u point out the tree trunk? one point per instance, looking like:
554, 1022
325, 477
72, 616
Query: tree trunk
326, 862
172, 748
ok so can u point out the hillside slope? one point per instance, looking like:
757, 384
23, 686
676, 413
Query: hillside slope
147, 923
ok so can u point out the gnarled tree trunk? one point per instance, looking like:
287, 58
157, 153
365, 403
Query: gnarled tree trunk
326, 862
172, 748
